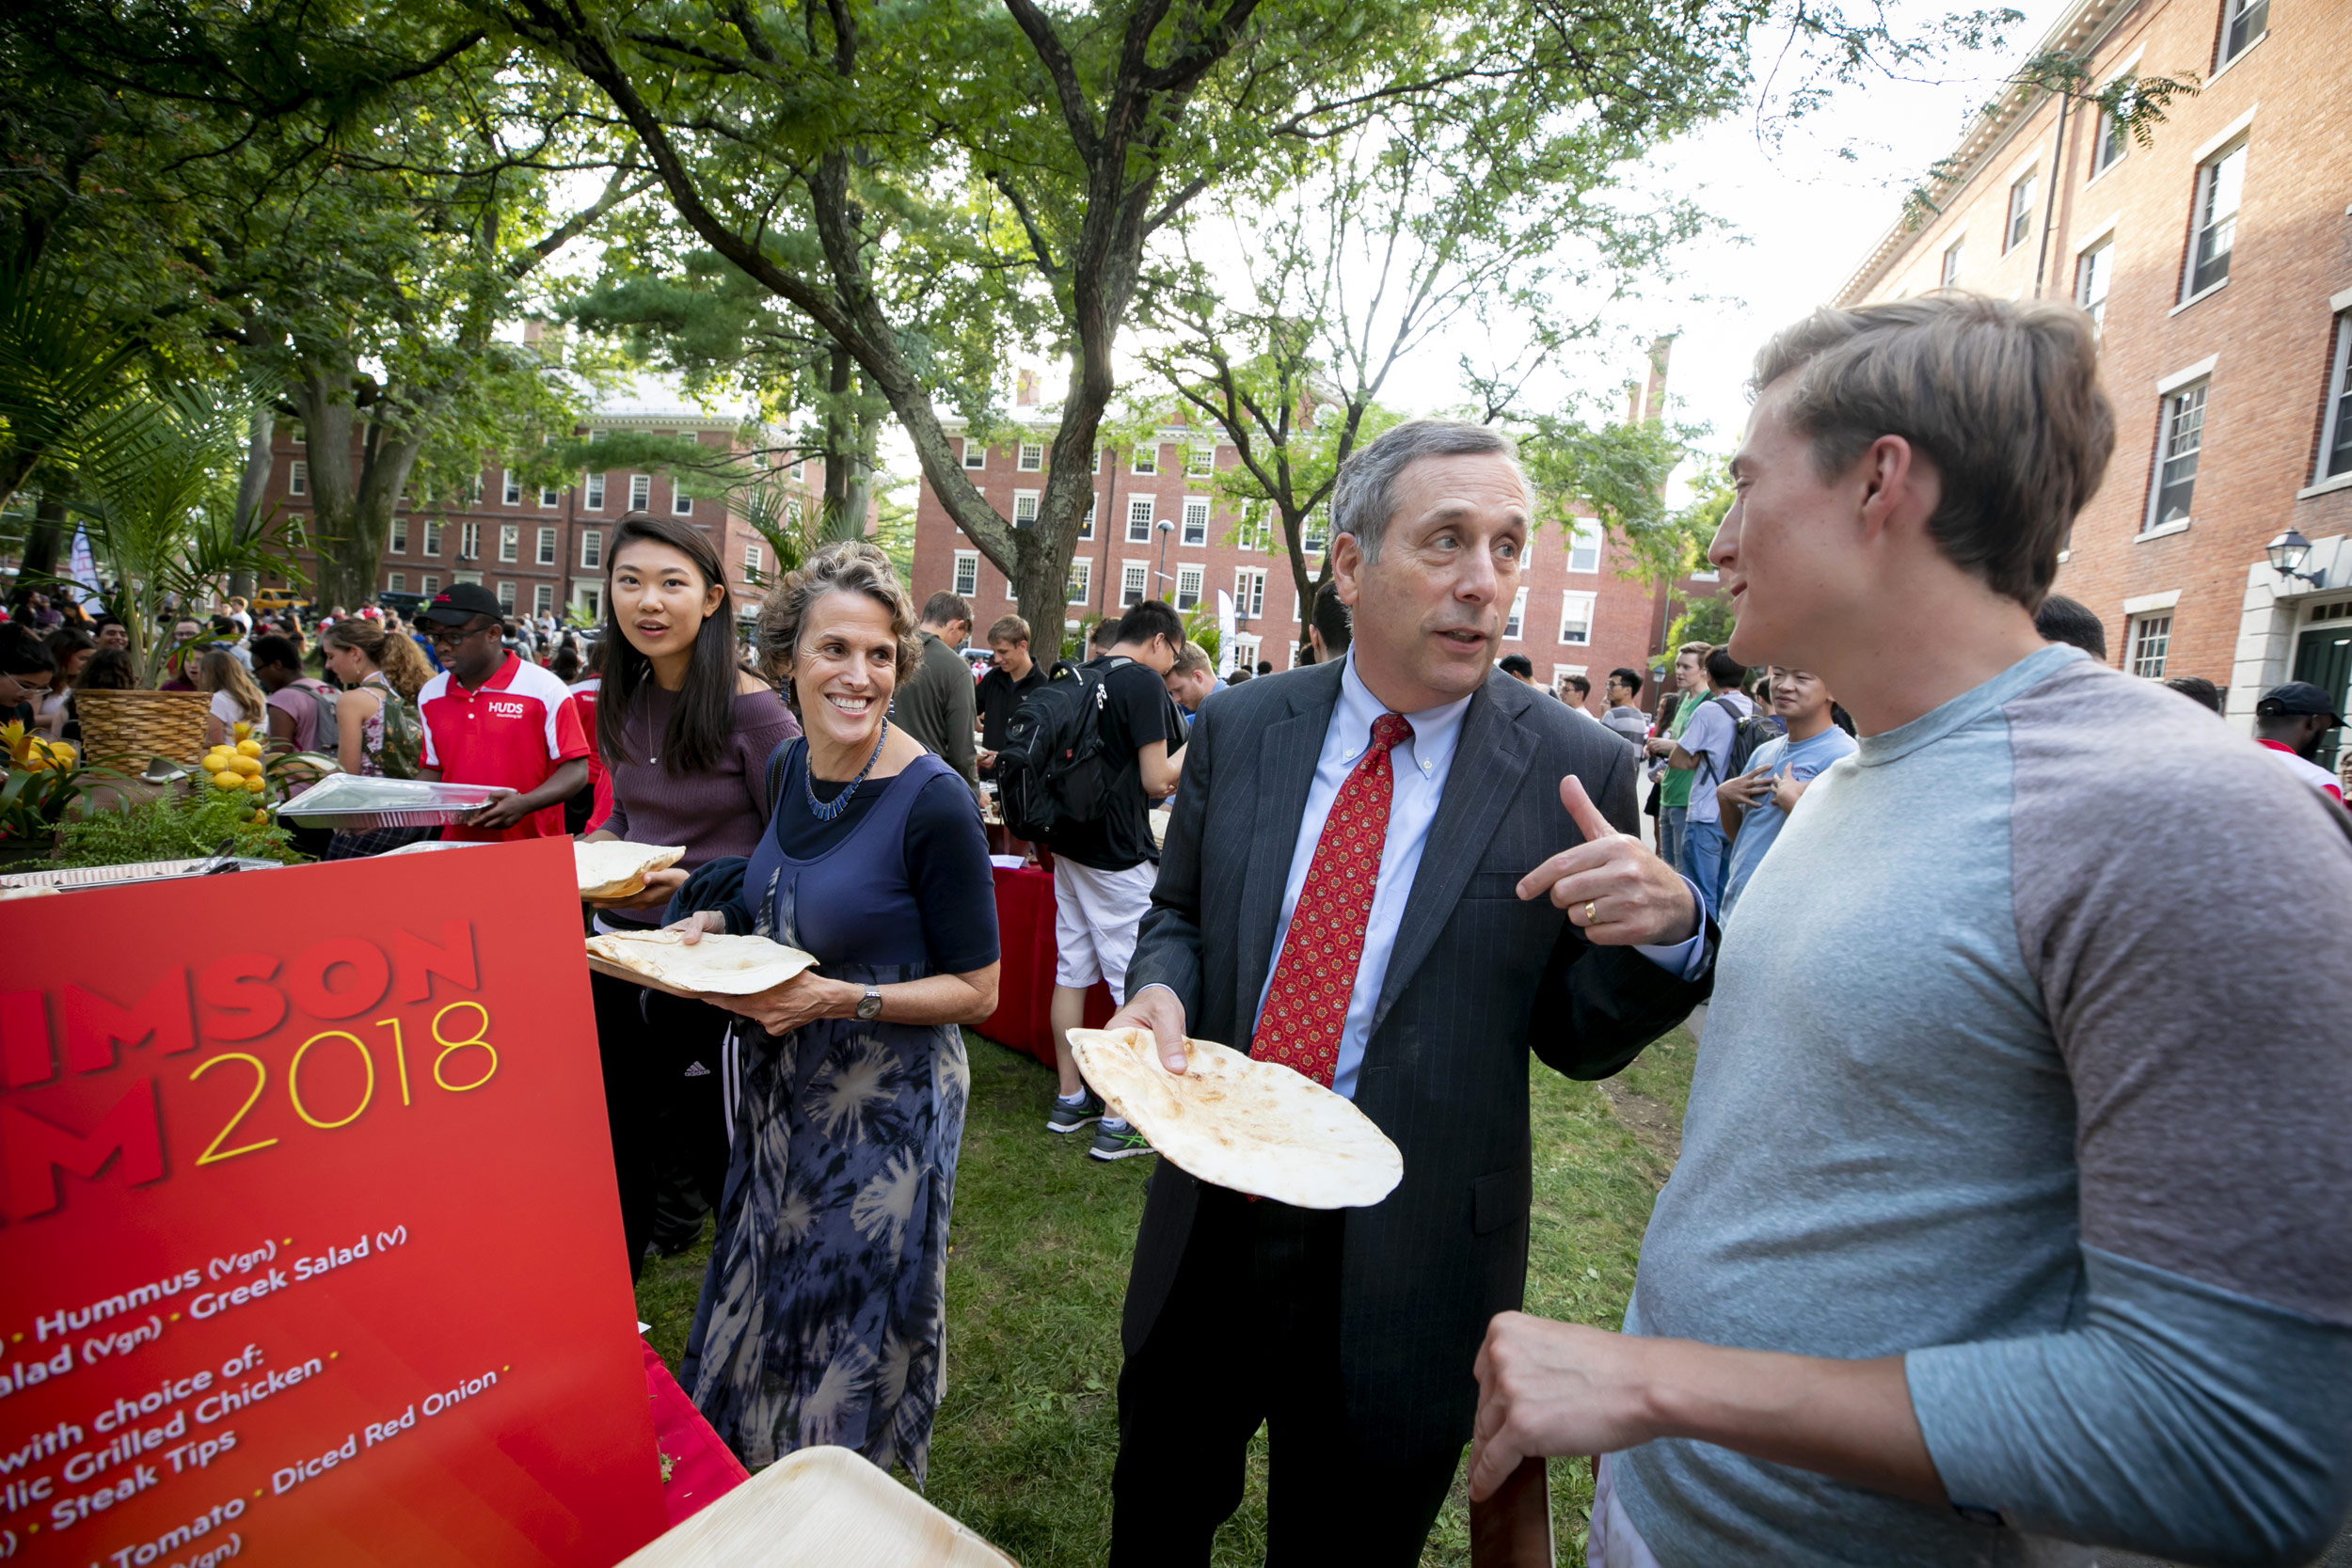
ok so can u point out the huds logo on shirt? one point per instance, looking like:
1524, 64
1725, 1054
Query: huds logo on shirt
506, 710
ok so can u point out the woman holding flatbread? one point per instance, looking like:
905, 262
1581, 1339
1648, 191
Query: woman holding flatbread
685, 737
821, 1317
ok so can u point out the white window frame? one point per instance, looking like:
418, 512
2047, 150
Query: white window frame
588, 597
2095, 267
592, 496
681, 504
2173, 402
1585, 533
513, 492
591, 549
1514, 626
506, 597
547, 546
1195, 532
1314, 530
1086, 524
429, 585
2205, 219
2335, 408
967, 577
1025, 505
543, 598
1080, 588
1134, 582
510, 543
755, 559
1245, 653
297, 478
474, 577
1947, 271
1200, 461
2019, 228
1139, 511
398, 543
396, 582
1568, 601
469, 540
973, 448
1145, 459
548, 496
2232, 12
640, 491
433, 538
1032, 459
2148, 643
1249, 592
1191, 583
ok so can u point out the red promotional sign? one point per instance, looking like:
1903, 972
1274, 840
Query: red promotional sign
309, 1247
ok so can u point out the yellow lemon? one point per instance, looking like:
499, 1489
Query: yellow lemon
257, 784
215, 761
250, 747
225, 779
250, 767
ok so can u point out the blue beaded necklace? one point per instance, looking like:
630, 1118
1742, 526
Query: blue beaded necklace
825, 811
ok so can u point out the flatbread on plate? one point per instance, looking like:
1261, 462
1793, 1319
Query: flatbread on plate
615, 868
718, 965
1255, 1127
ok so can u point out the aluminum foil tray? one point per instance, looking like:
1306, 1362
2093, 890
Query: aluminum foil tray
351, 802
116, 875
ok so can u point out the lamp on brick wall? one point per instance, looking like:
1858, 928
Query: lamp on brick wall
2287, 553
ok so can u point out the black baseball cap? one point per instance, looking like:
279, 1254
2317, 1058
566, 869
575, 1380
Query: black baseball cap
2298, 698
460, 603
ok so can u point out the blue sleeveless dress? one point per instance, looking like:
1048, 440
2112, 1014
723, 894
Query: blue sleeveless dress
822, 1317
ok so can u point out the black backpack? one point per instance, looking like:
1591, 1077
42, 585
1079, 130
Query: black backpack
1749, 730
1051, 772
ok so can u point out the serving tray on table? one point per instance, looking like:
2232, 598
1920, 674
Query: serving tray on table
357, 803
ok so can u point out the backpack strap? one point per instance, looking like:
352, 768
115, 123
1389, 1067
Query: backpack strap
1731, 713
778, 760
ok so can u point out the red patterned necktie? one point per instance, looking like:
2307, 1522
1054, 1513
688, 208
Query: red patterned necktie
1306, 1006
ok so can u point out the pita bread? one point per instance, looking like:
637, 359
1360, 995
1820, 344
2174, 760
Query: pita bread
615, 868
715, 966
1252, 1126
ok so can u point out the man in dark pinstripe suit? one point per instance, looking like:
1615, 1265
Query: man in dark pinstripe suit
1397, 873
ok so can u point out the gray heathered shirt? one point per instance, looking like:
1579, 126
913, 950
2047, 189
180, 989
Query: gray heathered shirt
2028, 1061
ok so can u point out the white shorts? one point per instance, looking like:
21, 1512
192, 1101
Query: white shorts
1612, 1542
1095, 915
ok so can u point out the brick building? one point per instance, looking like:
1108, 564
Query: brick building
2217, 266
545, 549
1158, 528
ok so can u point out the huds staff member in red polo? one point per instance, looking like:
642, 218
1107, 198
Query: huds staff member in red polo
492, 718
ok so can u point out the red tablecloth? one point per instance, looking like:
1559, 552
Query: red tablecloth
1025, 987
701, 1468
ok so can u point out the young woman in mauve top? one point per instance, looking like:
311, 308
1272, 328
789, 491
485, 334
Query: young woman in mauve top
685, 737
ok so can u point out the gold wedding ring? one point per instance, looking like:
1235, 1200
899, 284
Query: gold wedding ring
1591, 905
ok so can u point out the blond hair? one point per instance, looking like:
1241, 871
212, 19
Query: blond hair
844, 566
393, 653
2003, 399
1191, 660
222, 671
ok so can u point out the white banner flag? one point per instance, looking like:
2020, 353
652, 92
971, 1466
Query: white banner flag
1223, 632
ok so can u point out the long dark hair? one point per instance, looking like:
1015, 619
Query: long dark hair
702, 720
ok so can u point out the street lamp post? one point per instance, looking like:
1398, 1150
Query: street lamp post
1167, 527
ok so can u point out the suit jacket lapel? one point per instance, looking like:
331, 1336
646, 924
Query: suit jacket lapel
1489, 762
1288, 751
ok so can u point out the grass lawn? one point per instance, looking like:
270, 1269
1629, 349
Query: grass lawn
1041, 1236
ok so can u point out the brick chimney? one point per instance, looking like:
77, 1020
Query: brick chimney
1024, 389
1654, 394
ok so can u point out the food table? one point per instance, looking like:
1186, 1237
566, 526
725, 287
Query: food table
1024, 986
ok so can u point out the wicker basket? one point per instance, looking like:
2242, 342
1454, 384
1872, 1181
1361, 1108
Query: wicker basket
123, 729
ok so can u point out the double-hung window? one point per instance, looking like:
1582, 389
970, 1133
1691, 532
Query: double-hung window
2180, 438
398, 544
1138, 520
593, 496
2144, 648
297, 478
1249, 592
1025, 508
430, 586
2020, 215
1135, 577
591, 549
1081, 581
432, 539
1950, 277
2335, 428
754, 559
1511, 628
513, 493
2093, 268
2244, 24
506, 597
510, 542
1201, 460
1576, 618
1585, 544
1086, 524
1196, 521
396, 581
1146, 459
967, 572
543, 598
1032, 457
975, 454
470, 541
2213, 227
546, 496
547, 546
681, 504
1314, 530
640, 492
2108, 146
1189, 582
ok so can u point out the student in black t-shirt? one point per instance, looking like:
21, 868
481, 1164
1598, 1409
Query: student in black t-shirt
1015, 676
1104, 870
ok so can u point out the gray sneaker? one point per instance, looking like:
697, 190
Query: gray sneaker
1074, 1118
1117, 1143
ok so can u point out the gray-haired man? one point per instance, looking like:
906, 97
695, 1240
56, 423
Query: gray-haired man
1449, 850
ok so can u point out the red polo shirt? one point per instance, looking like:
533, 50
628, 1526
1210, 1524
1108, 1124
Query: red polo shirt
518, 728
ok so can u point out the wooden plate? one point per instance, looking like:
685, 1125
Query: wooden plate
820, 1507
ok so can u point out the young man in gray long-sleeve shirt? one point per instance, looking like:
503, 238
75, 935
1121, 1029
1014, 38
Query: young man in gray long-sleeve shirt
2015, 1195
937, 705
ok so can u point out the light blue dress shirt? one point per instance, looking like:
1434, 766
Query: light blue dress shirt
1419, 766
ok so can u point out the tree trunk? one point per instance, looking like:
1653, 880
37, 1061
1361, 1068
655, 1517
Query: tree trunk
351, 489
250, 484
46, 537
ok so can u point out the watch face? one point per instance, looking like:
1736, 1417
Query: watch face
869, 1005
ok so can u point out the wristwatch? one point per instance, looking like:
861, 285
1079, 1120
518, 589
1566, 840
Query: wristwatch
869, 1005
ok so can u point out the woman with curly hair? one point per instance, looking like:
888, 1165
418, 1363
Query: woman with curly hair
823, 1315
